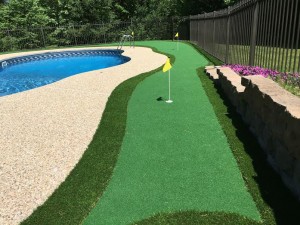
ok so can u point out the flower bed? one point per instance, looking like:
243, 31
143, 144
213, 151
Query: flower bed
289, 81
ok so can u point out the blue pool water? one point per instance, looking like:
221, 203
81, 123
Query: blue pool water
30, 72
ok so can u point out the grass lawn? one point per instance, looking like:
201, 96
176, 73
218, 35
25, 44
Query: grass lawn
281, 59
156, 163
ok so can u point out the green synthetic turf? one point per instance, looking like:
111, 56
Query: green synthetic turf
174, 157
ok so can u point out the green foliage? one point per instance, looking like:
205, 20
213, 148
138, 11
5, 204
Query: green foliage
30, 40
44, 23
8, 43
230, 2
193, 7
90, 11
21, 14
57, 11
26, 13
289, 81
152, 19
121, 11
63, 12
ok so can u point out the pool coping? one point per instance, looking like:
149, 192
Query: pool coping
19, 60
45, 131
61, 54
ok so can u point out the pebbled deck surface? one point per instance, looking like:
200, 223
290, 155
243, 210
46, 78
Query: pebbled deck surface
45, 131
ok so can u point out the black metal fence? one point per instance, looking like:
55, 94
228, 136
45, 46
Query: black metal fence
42, 37
263, 33
87, 34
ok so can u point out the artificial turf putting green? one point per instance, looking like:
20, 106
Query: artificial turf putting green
174, 157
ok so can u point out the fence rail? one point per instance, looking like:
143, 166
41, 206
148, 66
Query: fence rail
42, 37
263, 33
71, 35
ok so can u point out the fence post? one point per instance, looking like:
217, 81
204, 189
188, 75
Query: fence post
191, 36
198, 30
214, 33
172, 28
10, 40
204, 32
74, 34
227, 35
254, 34
43, 36
104, 31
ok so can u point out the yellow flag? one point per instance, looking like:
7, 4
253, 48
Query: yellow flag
177, 35
167, 66
132, 33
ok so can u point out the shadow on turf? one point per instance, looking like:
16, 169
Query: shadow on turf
196, 218
159, 99
276, 204
285, 207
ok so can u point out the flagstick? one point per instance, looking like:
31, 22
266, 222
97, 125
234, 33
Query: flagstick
169, 101
177, 43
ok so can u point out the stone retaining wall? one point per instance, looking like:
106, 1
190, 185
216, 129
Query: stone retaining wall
273, 115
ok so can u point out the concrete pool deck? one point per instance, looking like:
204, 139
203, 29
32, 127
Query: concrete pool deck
45, 131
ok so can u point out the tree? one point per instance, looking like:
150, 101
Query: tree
193, 7
57, 11
124, 9
90, 11
151, 19
75, 11
230, 2
25, 13
155, 8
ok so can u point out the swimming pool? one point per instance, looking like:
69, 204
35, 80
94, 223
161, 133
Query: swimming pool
32, 71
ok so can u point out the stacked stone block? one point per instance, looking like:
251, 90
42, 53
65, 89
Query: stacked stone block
273, 115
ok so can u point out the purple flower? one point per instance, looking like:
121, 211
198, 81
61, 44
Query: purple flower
287, 78
252, 70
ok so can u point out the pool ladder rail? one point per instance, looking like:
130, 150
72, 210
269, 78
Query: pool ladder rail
124, 38
4, 64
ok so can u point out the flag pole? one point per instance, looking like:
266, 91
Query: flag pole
177, 36
167, 67
169, 101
